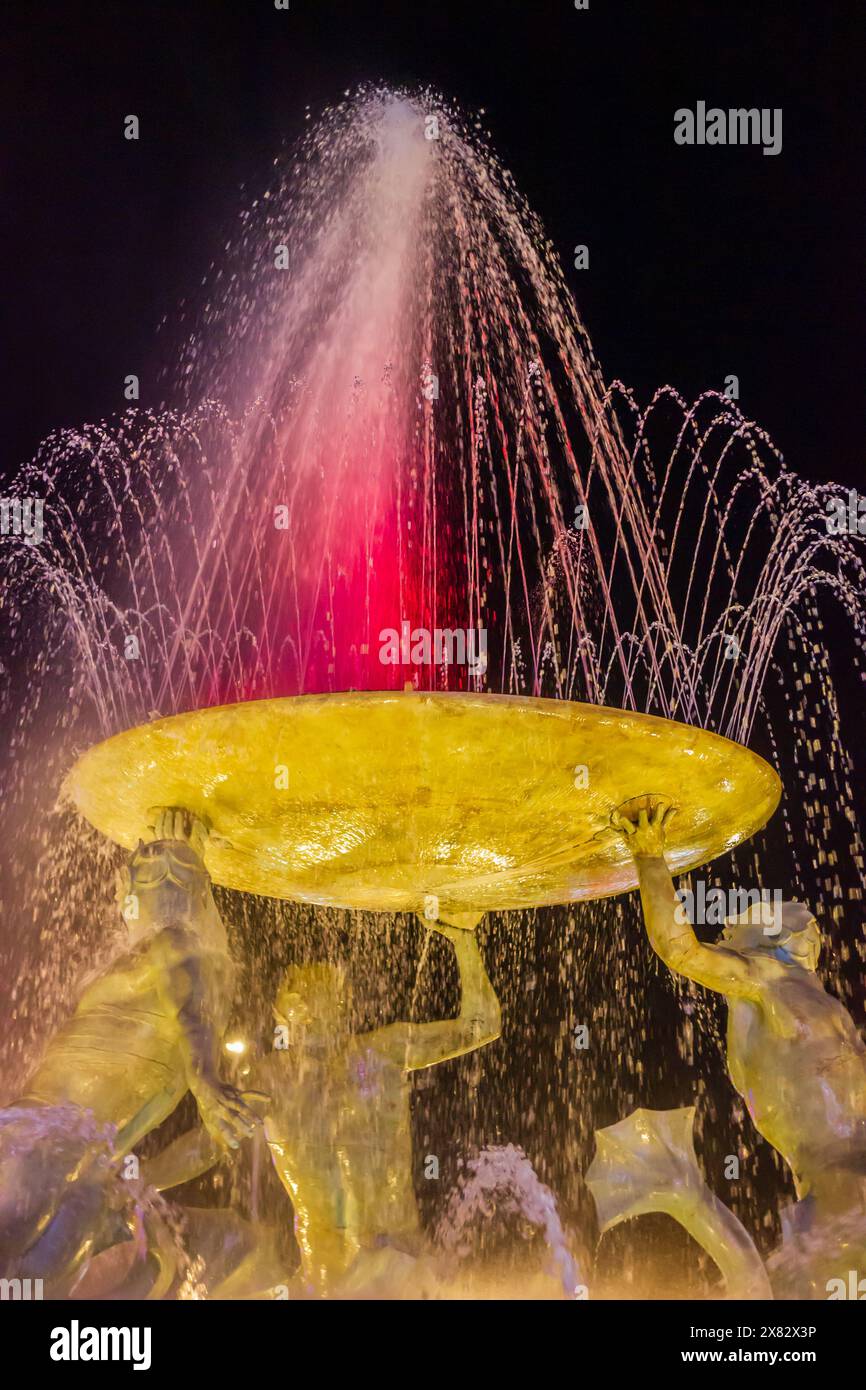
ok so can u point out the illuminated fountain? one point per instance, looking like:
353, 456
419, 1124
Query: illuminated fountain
391, 414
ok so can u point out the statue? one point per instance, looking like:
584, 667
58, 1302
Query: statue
794, 1053
336, 1117
146, 1030
338, 1125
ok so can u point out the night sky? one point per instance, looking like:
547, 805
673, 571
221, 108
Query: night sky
703, 261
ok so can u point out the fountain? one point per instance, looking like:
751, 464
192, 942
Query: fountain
389, 432
501, 1177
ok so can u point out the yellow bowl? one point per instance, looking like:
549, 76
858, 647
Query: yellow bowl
380, 800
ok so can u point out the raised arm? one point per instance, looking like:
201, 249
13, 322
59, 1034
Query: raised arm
184, 993
172, 889
417, 1045
670, 932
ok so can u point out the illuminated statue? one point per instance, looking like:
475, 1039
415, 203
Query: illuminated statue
338, 1126
337, 1122
794, 1053
145, 1030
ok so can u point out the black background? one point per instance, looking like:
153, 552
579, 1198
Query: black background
703, 261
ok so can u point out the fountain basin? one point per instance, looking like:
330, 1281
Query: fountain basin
381, 800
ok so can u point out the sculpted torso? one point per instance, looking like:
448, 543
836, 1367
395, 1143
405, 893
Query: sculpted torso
121, 1049
338, 1129
148, 1027
799, 1063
